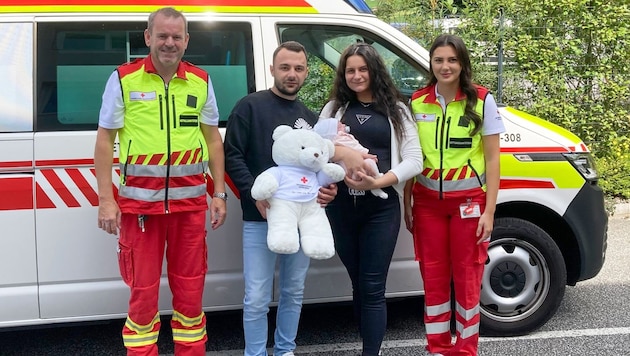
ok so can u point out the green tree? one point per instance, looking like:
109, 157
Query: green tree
421, 20
317, 87
570, 61
564, 60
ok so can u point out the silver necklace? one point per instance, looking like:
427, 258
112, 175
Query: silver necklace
365, 105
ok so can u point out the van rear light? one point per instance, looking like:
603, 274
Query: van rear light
585, 164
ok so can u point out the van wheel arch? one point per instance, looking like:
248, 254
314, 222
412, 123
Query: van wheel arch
524, 278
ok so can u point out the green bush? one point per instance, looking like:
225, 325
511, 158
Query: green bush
564, 60
316, 89
614, 168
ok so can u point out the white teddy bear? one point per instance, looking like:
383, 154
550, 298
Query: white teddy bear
291, 188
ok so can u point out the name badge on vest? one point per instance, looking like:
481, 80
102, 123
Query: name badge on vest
142, 96
425, 117
188, 120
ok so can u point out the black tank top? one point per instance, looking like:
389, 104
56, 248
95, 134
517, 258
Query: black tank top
373, 131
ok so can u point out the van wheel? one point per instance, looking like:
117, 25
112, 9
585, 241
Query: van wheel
523, 281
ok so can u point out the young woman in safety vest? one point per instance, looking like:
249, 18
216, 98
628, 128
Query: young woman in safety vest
454, 197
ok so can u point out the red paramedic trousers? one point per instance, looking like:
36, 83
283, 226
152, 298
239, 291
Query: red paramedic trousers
446, 246
142, 243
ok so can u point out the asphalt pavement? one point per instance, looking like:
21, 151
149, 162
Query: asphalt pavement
593, 320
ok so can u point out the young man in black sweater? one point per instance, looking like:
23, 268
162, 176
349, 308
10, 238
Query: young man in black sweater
248, 142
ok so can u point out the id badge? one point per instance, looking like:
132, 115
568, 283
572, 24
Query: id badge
469, 210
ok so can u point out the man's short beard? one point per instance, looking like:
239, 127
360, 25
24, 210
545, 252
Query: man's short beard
283, 91
287, 93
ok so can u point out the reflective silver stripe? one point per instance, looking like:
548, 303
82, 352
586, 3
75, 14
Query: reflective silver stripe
435, 310
186, 321
467, 314
467, 332
451, 185
188, 335
143, 333
151, 170
141, 340
152, 195
142, 329
438, 328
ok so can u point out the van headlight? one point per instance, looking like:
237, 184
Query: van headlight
585, 164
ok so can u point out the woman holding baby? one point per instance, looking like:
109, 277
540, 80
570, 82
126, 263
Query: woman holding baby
365, 226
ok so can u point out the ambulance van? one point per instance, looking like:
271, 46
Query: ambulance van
57, 266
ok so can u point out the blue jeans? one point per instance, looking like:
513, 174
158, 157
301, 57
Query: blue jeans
365, 229
259, 264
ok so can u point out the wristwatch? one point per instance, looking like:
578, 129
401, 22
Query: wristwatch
220, 195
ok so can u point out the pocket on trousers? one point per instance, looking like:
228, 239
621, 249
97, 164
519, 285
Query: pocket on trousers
205, 252
125, 264
482, 252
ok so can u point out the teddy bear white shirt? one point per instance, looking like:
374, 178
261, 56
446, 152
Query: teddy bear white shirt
294, 184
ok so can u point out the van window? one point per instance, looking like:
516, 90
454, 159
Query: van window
16, 63
327, 42
74, 60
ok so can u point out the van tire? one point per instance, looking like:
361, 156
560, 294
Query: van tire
523, 281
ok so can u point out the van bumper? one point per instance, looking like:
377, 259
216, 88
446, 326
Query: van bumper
587, 216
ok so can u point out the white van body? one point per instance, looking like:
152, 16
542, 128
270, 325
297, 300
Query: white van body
57, 266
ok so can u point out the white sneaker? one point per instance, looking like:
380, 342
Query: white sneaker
289, 354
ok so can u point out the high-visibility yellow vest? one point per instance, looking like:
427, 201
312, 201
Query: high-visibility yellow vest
453, 160
163, 155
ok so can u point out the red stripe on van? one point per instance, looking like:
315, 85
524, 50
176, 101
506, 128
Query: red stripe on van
83, 185
535, 149
17, 164
114, 183
173, 3
16, 193
61, 189
525, 184
232, 186
64, 162
61, 163
42, 199
228, 182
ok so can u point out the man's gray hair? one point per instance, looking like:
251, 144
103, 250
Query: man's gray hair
168, 12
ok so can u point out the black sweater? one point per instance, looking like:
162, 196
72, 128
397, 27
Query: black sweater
248, 139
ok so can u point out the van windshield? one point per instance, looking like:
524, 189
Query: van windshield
325, 43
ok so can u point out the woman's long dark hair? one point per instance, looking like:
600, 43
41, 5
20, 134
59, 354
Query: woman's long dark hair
465, 77
385, 94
